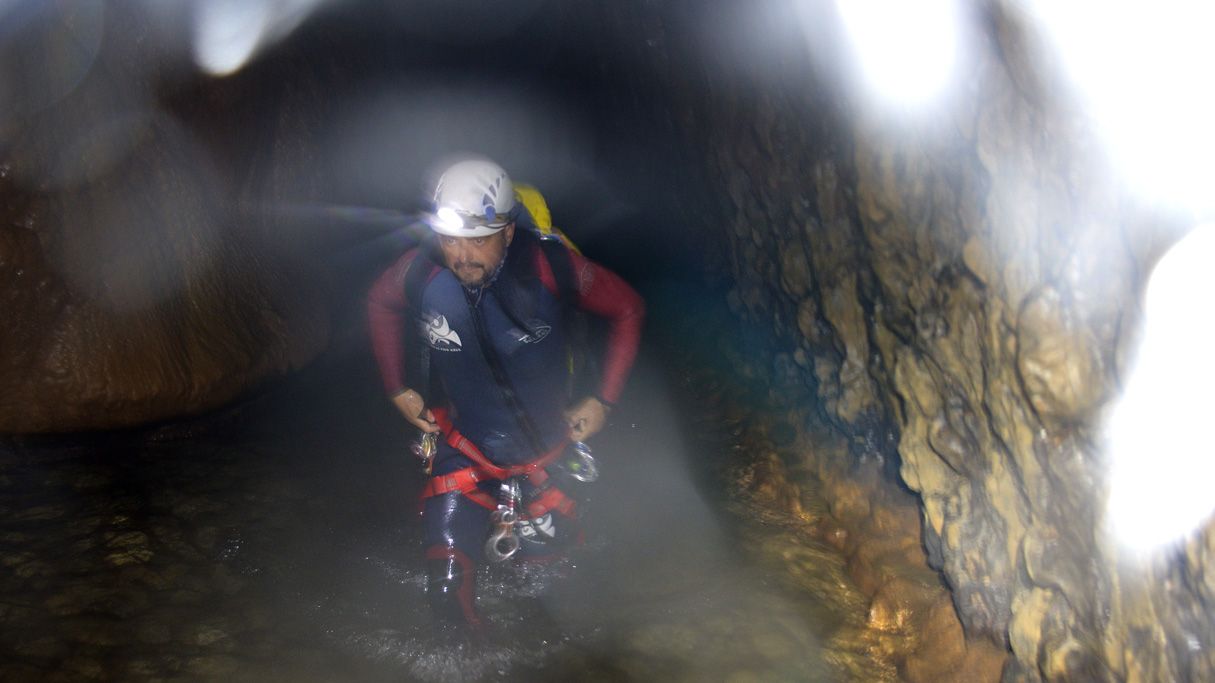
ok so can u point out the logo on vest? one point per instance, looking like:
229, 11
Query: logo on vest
539, 529
538, 331
439, 334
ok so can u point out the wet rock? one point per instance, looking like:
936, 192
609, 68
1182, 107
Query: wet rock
96, 631
214, 636
187, 597
32, 569
85, 544
795, 270
972, 282
85, 524
14, 538
21, 671
16, 559
206, 537
223, 581
767, 481
153, 631
1059, 360
848, 502
86, 480
944, 654
142, 669
171, 537
214, 667
77, 598
190, 587
257, 617
155, 578
128, 548
83, 669
44, 647
39, 513
89, 596
783, 434
190, 508
834, 534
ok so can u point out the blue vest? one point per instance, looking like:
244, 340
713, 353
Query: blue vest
533, 359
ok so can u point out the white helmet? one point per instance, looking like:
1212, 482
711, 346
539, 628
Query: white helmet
473, 198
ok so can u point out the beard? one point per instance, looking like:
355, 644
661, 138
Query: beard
471, 273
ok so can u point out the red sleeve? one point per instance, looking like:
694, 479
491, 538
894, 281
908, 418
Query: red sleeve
386, 316
604, 294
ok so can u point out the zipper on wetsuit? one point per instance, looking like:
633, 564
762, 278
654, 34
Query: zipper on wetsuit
499, 372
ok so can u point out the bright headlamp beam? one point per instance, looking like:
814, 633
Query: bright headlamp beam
448, 218
228, 33
1162, 455
907, 49
1143, 72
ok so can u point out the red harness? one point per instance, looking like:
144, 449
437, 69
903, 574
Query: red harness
465, 481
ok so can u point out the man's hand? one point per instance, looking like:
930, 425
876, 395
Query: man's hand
586, 418
410, 403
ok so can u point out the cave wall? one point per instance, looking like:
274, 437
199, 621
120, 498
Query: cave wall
135, 282
959, 295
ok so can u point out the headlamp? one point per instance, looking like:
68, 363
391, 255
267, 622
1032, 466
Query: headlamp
449, 221
447, 217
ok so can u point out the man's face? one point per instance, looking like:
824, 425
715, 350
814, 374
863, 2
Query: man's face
474, 259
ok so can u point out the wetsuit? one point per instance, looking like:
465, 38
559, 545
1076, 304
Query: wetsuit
500, 357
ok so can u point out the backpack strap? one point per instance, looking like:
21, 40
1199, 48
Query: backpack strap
580, 359
562, 264
420, 271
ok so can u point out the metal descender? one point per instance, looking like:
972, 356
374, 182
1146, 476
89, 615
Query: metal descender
503, 543
425, 448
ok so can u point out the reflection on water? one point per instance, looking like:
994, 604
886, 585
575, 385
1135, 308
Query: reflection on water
280, 542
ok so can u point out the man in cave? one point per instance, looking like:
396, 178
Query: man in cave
475, 333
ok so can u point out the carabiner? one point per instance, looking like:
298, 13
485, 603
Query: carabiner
582, 465
502, 544
425, 448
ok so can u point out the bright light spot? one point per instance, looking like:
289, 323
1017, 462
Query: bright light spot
1161, 446
1144, 71
907, 49
227, 33
448, 218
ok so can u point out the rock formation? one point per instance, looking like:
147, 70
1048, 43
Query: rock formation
134, 286
960, 294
